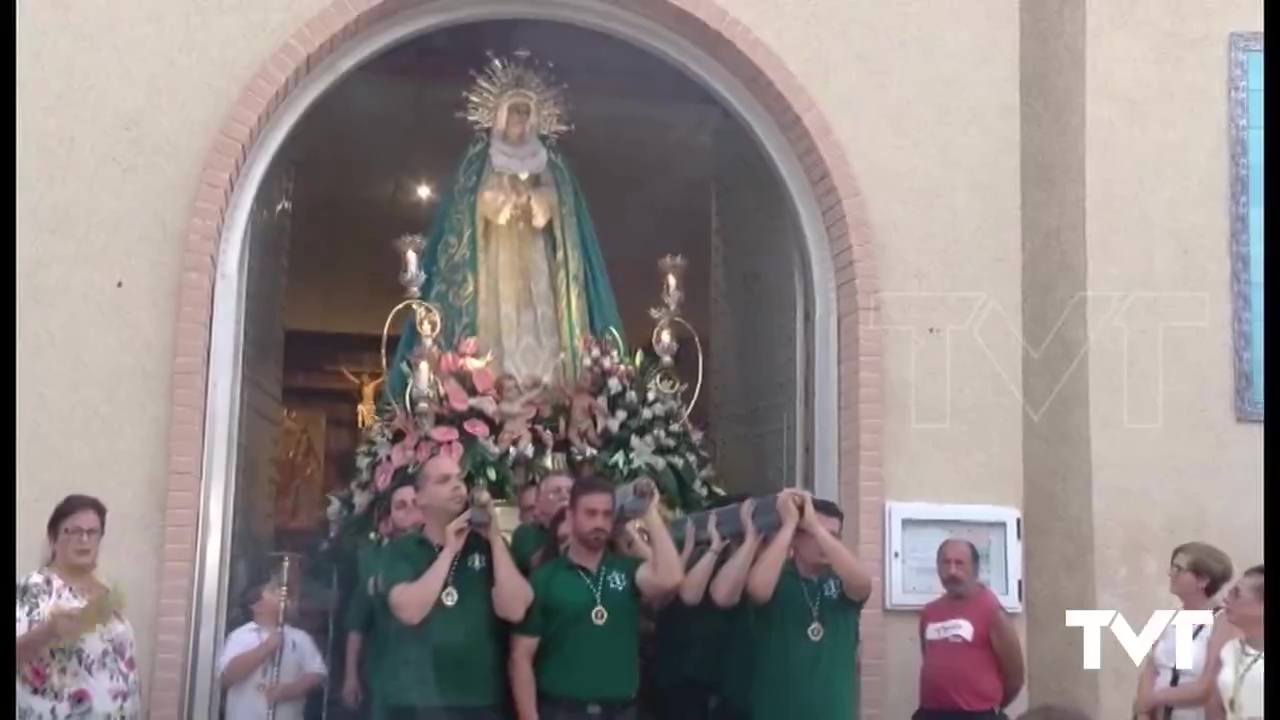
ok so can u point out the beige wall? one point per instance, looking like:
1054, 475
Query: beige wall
118, 104
1157, 223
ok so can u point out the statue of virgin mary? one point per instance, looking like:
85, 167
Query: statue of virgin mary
511, 256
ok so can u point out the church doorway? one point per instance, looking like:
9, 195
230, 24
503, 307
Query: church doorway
664, 166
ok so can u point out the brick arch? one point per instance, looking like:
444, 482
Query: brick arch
737, 50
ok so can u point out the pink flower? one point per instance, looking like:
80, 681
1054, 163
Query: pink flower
453, 451
80, 698
483, 380
476, 427
448, 364
402, 451
382, 476
444, 434
468, 347
36, 675
424, 452
455, 395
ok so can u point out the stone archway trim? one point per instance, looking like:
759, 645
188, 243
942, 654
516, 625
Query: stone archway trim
845, 216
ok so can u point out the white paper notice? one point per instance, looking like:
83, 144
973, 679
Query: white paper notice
920, 542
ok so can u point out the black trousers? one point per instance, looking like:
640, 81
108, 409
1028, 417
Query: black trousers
923, 714
445, 713
724, 712
557, 709
689, 701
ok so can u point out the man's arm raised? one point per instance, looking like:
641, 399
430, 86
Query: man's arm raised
411, 602
856, 582
763, 578
694, 586
512, 594
726, 588
660, 574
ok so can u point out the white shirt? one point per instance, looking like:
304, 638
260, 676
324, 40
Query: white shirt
1241, 679
245, 700
1163, 657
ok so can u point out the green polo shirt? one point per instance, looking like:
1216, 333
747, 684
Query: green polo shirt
736, 653
360, 609
454, 657
796, 677
577, 659
526, 541
688, 643
366, 614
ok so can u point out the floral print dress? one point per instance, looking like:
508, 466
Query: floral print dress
94, 677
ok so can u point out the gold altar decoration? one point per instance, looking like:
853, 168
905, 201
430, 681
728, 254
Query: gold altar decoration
665, 343
423, 387
300, 470
521, 78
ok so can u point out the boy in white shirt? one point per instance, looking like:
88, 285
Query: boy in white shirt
245, 665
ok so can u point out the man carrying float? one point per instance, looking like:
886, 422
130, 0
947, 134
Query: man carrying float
449, 587
576, 655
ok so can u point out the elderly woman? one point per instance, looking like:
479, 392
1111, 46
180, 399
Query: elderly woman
1238, 683
1197, 573
75, 650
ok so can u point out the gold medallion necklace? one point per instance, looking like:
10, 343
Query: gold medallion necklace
599, 616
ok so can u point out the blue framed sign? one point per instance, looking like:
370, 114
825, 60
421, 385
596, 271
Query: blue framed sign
1247, 243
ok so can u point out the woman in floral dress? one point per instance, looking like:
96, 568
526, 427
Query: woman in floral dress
75, 649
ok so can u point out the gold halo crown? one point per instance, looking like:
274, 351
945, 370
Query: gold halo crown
519, 77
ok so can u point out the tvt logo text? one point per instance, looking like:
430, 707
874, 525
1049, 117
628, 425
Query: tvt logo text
1138, 645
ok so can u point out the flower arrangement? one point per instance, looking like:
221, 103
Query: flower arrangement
646, 432
467, 419
481, 421
462, 423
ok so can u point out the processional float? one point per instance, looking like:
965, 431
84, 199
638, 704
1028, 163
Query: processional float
604, 410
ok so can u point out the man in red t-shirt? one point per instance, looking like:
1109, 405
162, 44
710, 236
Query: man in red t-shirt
972, 660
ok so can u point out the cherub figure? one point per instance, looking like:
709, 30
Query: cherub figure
585, 418
516, 408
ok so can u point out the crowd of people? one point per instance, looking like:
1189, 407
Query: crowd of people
580, 618
455, 623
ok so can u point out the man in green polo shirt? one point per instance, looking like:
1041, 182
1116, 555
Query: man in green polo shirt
583, 628
690, 631
531, 536
731, 681
805, 616
450, 589
399, 516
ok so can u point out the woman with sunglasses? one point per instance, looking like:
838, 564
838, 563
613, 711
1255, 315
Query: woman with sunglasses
1197, 573
75, 649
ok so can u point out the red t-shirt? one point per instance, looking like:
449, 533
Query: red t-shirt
959, 669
